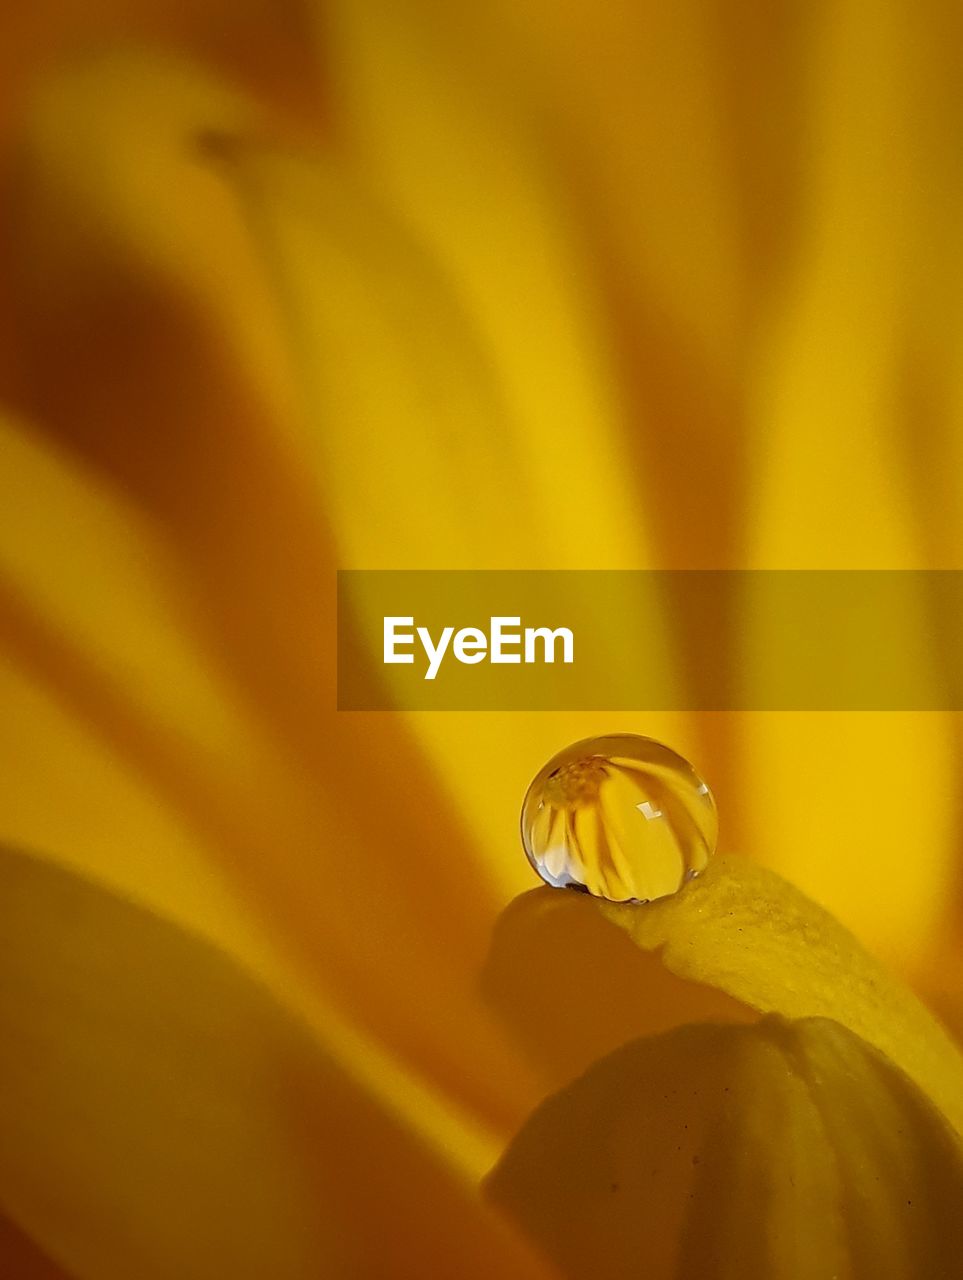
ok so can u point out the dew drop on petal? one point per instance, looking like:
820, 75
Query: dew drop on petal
622, 817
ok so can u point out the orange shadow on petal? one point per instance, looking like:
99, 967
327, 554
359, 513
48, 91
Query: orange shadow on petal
570, 987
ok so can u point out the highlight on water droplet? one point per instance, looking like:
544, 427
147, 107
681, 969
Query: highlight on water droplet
622, 817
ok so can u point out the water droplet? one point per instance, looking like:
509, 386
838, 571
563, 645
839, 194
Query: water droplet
622, 817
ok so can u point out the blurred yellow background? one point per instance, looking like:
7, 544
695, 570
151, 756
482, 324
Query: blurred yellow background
293, 287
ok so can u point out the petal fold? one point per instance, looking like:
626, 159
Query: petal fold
778, 1151
745, 930
162, 1115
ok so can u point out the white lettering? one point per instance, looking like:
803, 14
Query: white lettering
500, 638
546, 636
435, 655
470, 645
392, 640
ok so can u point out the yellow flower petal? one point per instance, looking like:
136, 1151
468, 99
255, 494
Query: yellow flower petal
167, 595
743, 929
463, 170
96, 675
20, 1256
556, 164
162, 1116
781, 1151
833, 799
566, 985
844, 482
347, 269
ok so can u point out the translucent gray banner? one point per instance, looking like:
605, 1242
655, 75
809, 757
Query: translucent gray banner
650, 640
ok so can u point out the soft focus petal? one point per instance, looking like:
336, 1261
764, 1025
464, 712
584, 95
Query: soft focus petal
743, 929
859, 809
170, 432
782, 1151
461, 164
161, 1115
261, 44
776, 293
21, 1257
600, 130
508, 208
107, 697
840, 446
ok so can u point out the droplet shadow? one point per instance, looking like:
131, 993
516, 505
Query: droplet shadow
570, 987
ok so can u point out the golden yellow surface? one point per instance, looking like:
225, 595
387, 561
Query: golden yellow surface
286, 288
